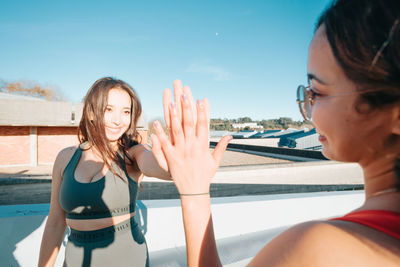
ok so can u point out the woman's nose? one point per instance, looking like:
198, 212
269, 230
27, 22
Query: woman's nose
116, 118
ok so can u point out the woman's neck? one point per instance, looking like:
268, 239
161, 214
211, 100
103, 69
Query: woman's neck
114, 145
96, 152
379, 176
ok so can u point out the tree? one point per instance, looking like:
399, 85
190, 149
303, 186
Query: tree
281, 123
285, 122
270, 124
31, 88
244, 120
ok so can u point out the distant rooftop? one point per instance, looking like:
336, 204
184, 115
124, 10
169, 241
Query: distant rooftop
20, 110
19, 97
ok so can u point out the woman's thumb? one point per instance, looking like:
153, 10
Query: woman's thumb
220, 148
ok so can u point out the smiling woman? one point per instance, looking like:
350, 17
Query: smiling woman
117, 116
95, 185
335, 94
353, 99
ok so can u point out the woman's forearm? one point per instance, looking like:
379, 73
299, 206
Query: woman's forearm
147, 163
151, 168
199, 231
50, 246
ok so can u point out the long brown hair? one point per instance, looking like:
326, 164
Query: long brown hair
91, 126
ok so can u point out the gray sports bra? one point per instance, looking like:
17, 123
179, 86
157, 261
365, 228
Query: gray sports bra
110, 196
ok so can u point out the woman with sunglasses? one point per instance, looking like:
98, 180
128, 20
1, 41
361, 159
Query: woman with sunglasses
353, 100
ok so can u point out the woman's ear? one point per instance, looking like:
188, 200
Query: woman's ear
396, 121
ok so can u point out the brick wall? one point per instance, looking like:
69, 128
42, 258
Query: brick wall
52, 140
14, 145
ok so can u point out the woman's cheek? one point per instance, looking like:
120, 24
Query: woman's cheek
107, 117
316, 115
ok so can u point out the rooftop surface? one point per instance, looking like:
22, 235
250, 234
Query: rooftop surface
31, 184
243, 225
245, 184
230, 158
240, 174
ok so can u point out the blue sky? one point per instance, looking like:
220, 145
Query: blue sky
246, 57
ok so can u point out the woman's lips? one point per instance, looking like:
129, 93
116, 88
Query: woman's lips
321, 138
113, 130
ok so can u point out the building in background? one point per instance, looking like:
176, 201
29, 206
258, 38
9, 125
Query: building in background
244, 134
250, 125
302, 140
33, 131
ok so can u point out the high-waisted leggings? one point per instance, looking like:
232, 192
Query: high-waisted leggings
118, 245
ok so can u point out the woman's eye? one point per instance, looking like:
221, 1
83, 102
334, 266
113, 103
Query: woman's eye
127, 112
314, 93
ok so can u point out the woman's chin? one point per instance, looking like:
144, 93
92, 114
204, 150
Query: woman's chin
326, 153
337, 156
112, 138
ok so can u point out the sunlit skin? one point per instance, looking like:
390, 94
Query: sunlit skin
117, 115
349, 132
91, 168
117, 118
346, 134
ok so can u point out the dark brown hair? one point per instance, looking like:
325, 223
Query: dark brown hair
91, 126
365, 39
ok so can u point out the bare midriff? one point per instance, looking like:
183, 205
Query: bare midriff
96, 224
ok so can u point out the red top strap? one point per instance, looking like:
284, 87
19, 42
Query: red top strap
382, 220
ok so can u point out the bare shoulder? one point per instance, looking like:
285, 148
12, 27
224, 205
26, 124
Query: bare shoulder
62, 159
324, 243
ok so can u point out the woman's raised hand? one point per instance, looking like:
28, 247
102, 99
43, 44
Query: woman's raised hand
187, 152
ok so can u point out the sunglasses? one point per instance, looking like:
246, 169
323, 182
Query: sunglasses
306, 98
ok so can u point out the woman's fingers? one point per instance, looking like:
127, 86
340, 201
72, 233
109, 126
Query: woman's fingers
167, 100
220, 148
207, 109
202, 127
187, 118
176, 127
188, 93
166, 145
158, 153
178, 91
